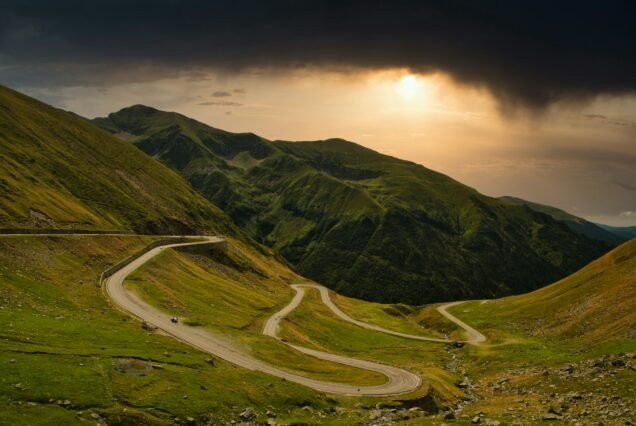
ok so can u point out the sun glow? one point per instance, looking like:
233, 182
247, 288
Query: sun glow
409, 87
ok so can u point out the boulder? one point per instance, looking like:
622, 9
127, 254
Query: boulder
449, 415
464, 383
147, 326
375, 414
618, 363
551, 416
248, 413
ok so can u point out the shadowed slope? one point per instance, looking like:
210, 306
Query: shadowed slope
365, 224
609, 234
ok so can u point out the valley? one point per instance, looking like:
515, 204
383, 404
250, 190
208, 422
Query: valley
312, 324
311, 283
329, 213
333, 202
398, 381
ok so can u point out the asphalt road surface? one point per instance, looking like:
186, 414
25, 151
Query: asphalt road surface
399, 381
474, 336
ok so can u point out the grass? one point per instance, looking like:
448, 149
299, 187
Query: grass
61, 339
395, 317
312, 324
596, 305
429, 317
58, 170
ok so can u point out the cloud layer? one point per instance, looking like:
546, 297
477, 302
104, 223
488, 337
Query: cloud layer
526, 53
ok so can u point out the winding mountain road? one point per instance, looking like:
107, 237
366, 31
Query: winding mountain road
474, 336
271, 326
398, 382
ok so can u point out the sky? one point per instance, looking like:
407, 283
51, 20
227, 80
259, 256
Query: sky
531, 99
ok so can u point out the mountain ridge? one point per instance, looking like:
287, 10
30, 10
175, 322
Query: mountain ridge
389, 230
609, 234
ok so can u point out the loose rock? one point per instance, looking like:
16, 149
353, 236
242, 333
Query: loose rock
551, 416
147, 326
134, 367
248, 413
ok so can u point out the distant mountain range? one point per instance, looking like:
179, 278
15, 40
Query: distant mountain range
363, 223
625, 232
610, 234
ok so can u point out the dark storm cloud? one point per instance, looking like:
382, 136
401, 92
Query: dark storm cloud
623, 184
221, 94
220, 103
609, 120
526, 53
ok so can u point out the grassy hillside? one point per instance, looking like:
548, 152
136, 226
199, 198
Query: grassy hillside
564, 352
67, 356
212, 160
567, 350
365, 224
608, 234
593, 306
58, 170
61, 340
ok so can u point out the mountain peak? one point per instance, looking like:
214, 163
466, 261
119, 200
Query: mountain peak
138, 111
136, 119
139, 108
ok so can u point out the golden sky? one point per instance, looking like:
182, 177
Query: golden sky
579, 157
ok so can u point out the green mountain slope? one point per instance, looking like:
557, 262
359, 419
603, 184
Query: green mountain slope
211, 159
566, 348
58, 170
608, 234
595, 305
365, 224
